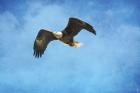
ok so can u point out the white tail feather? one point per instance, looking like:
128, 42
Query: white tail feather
77, 44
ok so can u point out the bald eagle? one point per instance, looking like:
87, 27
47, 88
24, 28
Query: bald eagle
74, 26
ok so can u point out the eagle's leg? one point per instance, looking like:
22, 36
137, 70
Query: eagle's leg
75, 44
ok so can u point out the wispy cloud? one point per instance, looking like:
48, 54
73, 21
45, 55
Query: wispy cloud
106, 63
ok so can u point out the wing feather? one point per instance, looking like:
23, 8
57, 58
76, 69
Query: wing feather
42, 40
75, 25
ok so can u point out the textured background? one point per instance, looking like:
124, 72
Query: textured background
106, 63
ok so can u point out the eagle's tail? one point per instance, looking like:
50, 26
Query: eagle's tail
76, 44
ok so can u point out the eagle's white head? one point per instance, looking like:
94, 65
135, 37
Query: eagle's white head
58, 35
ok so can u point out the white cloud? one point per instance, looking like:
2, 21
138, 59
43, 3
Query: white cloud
100, 65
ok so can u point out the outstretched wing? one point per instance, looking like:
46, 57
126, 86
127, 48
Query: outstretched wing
75, 25
42, 40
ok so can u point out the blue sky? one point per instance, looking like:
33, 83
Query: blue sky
106, 63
